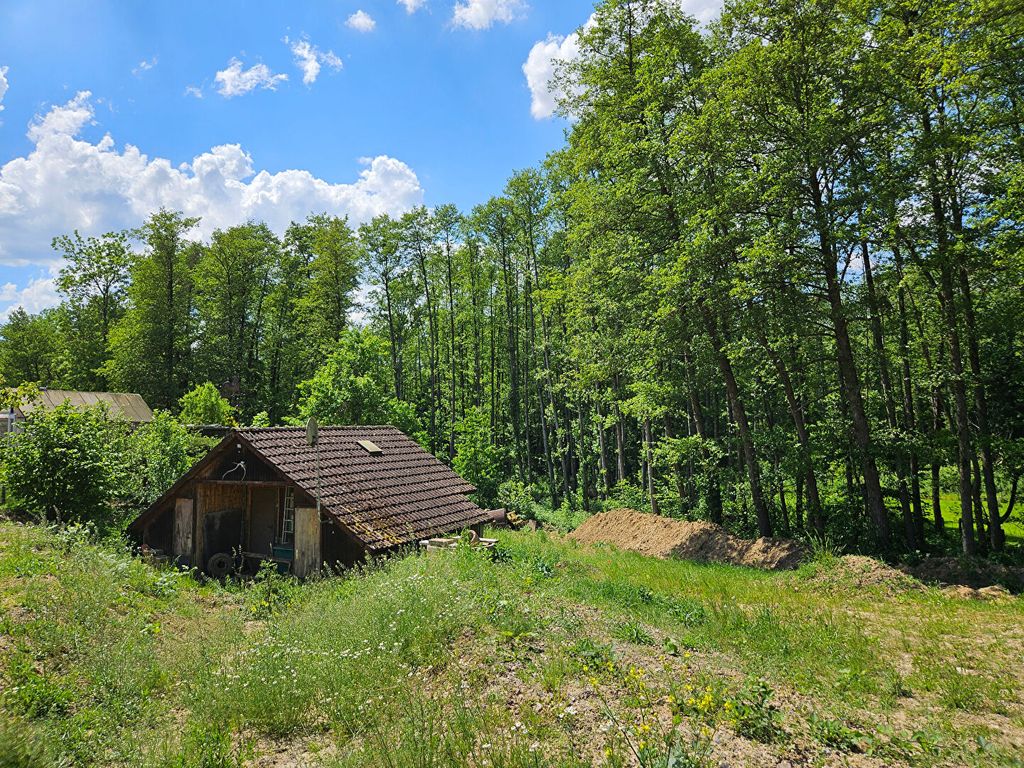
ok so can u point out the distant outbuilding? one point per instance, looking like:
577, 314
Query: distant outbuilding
129, 406
254, 498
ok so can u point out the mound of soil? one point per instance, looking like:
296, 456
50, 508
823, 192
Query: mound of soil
704, 542
976, 574
859, 571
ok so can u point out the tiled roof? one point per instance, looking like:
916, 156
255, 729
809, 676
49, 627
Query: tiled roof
401, 495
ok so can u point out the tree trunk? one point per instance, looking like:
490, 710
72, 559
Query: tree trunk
873, 499
764, 522
888, 397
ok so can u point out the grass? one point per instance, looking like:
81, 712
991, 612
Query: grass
548, 655
950, 504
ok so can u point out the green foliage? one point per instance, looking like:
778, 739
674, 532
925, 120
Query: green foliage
66, 465
164, 449
205, 405
353, 387
20, 747
517, 497
30, 348
476, 457
269, 591
260, 420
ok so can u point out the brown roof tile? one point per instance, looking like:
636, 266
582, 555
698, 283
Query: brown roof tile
399, 496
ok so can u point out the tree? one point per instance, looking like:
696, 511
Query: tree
31, 348
476, 458
353, 386
94, 280
159, 326
204, 405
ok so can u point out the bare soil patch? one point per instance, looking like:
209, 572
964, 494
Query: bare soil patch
700, 541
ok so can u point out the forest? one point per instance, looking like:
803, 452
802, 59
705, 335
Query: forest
774, 279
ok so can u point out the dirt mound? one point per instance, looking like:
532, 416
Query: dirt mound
704, 542
859, 571
976, 574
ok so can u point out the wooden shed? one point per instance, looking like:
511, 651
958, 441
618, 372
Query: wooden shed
253, 498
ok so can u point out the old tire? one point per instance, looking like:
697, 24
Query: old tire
220, 565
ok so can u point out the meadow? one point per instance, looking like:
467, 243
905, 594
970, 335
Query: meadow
546, 654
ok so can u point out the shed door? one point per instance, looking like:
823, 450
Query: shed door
183, 526
307, 541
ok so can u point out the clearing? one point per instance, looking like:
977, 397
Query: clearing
553, 653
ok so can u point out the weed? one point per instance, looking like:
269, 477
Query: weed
21, 747
836, 734
752, 714
590, 655
634, 632
269, 590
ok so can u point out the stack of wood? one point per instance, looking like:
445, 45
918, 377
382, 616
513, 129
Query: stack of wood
451, 542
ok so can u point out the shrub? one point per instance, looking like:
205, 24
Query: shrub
66, 465
515, 496
476, 458
204, 405
164, 449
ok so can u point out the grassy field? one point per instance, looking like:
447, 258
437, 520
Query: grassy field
950, 503
549, 655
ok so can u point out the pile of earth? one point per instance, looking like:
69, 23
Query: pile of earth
704, 542
859, 571
975, 573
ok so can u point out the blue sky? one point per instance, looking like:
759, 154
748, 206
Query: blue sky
271, 110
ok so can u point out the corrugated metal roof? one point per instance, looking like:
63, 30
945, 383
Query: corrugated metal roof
132, 407
401, 495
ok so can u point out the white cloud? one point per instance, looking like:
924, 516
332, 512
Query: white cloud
194, 91
310, 59
411, 6
39, 294
235, 81
482, 14
3, 86
539, 67
66, 182
144, 66
361, 21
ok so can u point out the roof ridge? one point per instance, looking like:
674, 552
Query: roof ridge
288, 428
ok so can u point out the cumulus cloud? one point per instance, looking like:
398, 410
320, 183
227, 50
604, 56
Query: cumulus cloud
361, 21
39, 294
66, 182
483, 14
3, 86
411, 6
235, 81
540, 65
310, 59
